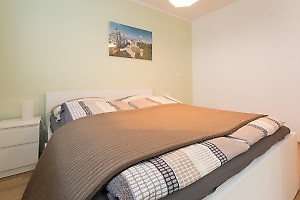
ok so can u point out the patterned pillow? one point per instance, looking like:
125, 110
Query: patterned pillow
56, 111
142, 101
77, 109
82, 107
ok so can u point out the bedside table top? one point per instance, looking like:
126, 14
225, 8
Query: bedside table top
13, 123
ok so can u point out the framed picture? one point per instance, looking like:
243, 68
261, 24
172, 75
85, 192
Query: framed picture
129, 42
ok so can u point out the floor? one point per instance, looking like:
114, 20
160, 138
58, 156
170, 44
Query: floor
12, 188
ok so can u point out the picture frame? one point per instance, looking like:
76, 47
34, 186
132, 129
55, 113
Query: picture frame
129, 42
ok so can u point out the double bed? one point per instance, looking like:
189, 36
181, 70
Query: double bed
273, 175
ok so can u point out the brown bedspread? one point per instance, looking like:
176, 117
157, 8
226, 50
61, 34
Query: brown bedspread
85, 154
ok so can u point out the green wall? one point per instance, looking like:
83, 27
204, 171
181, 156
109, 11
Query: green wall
62, 44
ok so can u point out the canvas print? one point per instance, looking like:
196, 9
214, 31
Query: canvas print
129, 42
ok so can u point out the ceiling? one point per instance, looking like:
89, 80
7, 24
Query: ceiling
200, 8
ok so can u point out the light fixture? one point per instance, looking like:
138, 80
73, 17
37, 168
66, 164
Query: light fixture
182, 3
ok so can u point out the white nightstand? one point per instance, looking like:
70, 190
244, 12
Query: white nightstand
19, 145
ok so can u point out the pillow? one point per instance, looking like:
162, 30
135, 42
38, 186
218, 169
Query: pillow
55, 111
143, 101
73, 110
133, 97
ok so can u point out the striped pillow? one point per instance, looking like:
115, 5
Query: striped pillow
142, 101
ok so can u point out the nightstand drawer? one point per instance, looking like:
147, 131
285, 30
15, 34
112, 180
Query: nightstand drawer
18, 135
18, 156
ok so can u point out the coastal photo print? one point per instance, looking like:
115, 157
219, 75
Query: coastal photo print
129, 42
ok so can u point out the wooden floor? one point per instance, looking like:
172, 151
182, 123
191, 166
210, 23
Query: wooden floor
12, 188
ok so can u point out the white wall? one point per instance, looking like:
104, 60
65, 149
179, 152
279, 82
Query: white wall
246, 57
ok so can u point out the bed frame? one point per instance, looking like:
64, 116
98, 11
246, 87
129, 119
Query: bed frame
272, 176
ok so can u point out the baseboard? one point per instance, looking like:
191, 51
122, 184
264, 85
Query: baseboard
16, 171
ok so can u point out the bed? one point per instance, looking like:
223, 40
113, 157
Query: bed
279, 183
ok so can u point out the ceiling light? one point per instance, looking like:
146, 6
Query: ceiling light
182, 3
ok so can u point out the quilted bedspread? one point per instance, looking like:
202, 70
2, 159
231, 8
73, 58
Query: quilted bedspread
85, 154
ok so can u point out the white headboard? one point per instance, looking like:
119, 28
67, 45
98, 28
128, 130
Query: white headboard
54, 98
